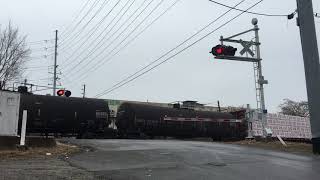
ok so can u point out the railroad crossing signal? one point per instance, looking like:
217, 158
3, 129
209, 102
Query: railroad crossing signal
63, 92
228, 52
246, 47
222, 50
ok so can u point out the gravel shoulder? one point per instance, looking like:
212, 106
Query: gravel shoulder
292, 147
41, 163
60, 149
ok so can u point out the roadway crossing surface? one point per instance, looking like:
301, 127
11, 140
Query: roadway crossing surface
174, 159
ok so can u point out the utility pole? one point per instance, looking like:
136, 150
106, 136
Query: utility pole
55, 65
84, 91
311, 65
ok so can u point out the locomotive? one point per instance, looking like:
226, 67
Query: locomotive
134, 120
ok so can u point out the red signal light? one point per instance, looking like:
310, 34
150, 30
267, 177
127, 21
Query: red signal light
219, 50
222, 50
60, 92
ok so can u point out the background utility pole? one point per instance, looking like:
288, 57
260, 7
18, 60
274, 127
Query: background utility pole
55, 65
311, 66
84, 91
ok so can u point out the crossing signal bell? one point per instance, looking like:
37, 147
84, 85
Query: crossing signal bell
223, 50
62, 92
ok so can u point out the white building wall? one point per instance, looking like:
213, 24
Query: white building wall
9, 113
283, 125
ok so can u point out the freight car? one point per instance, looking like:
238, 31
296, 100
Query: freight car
82, 117
148, 120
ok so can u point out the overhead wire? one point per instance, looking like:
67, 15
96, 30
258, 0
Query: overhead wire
92, 32
135, 28
250, 12
35, 85
36, 67
86, 74
76, 35
43, 89
102, 60
66, 30
39, 42
107, 32
132, 78
99, 45
79, 22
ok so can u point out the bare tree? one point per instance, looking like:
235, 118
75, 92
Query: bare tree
294, 108
13, 53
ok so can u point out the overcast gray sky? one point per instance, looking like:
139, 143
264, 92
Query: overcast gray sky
192, 75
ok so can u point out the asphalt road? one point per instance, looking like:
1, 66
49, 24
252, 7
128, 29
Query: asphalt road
174, 159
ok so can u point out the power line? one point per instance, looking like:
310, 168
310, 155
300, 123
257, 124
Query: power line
107, 32
180, 44
250, 12
102, 60
41, 79
43, 89
76, 35
101, 45
86, 25
94, 30
36, 85
40, 41
129, 42
37, 67
167, 59
38, 57
76, 17
41, 50
86, 14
